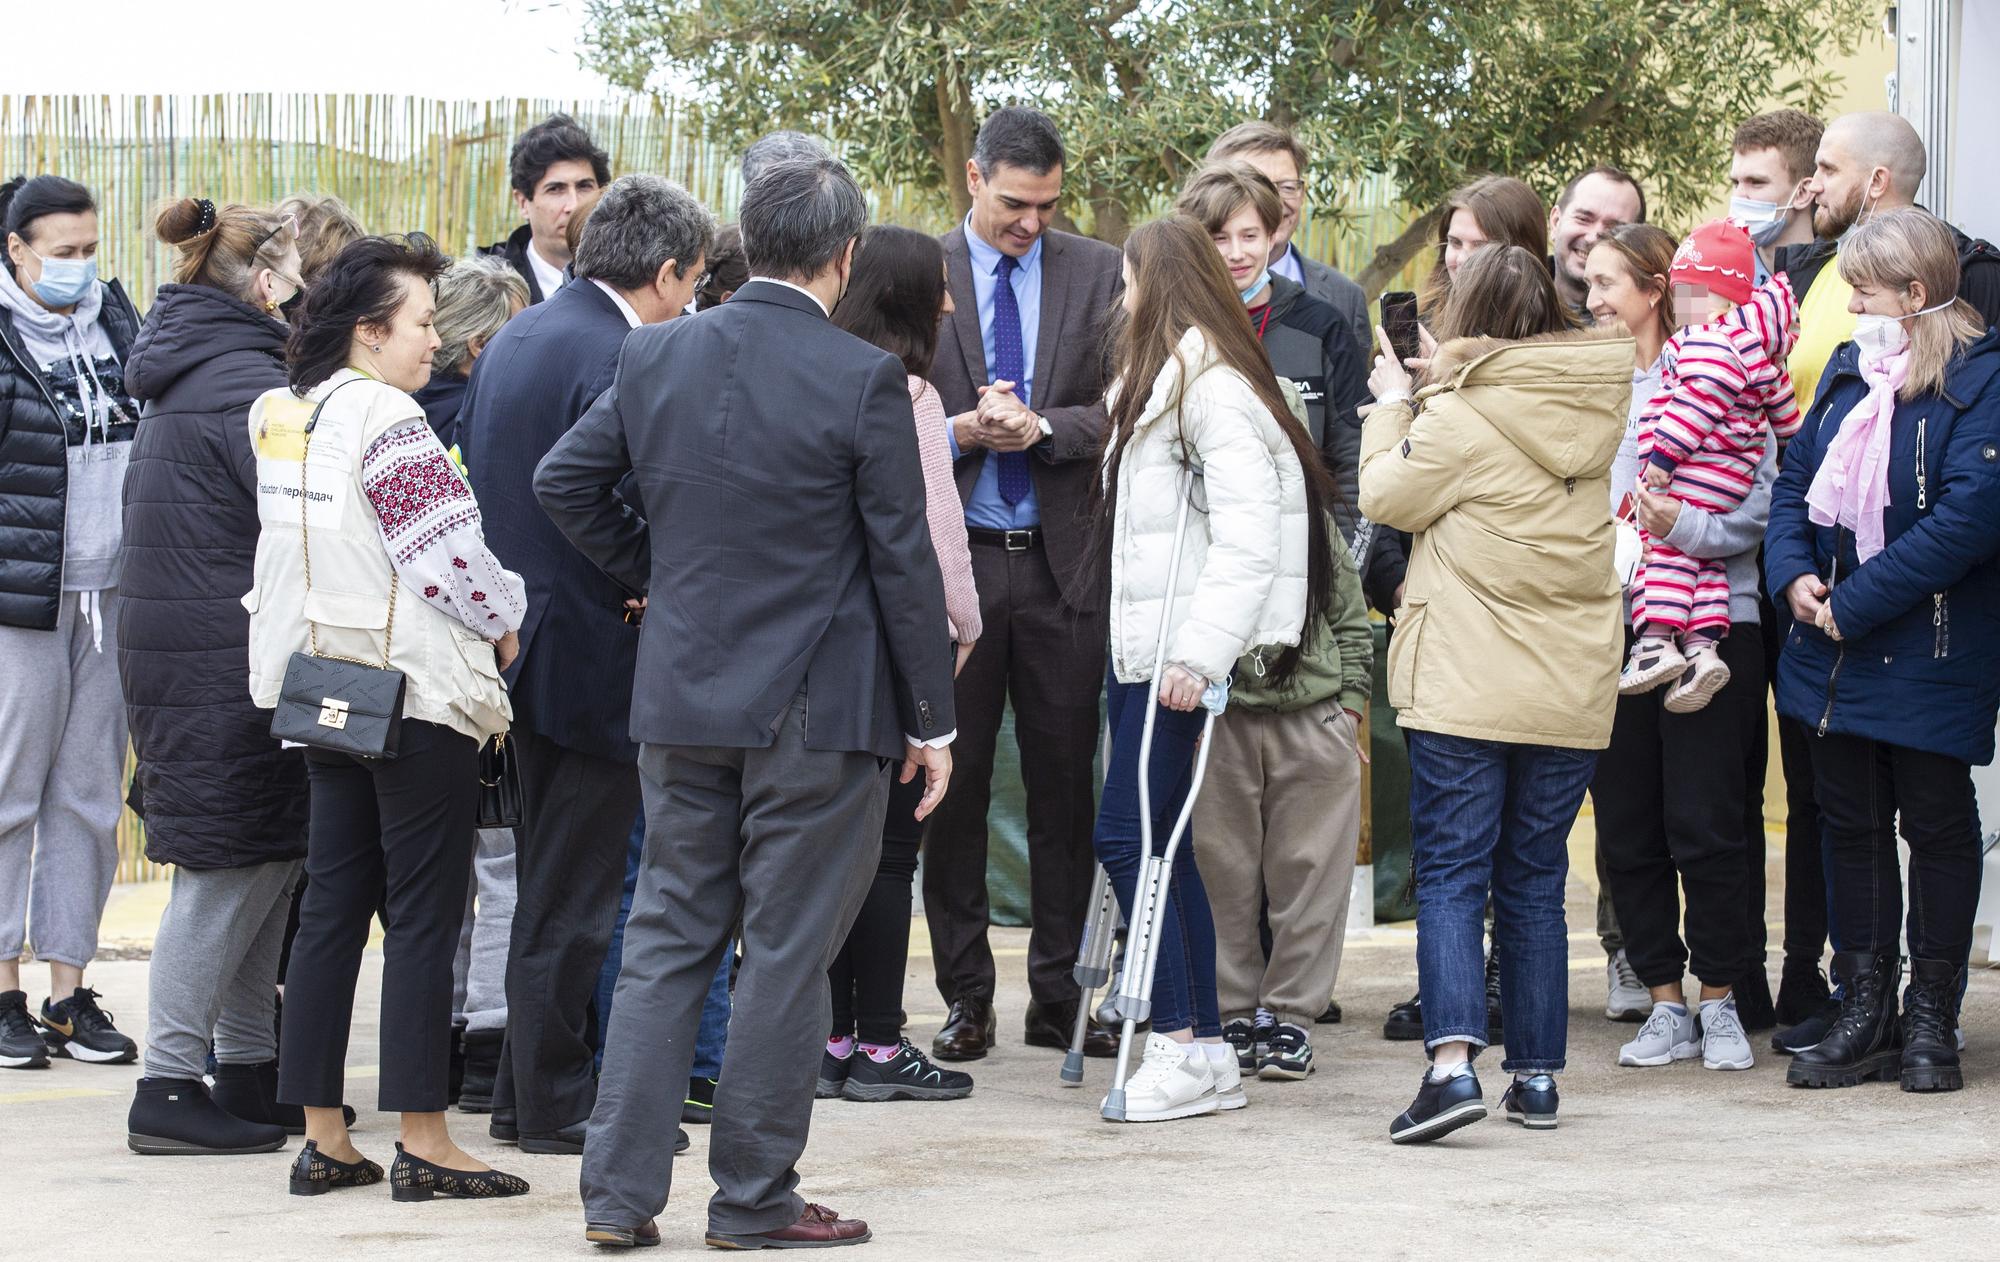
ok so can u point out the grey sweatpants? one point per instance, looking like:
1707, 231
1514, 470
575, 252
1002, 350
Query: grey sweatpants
215, 968
62, 779
479, 973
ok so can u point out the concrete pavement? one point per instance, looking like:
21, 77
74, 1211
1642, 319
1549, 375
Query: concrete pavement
1660, 1162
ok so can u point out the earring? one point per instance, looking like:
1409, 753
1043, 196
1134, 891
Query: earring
271, 305
375, 349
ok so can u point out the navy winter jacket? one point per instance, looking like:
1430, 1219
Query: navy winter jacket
1919, 665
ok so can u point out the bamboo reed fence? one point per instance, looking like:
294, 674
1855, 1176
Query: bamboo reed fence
404, 163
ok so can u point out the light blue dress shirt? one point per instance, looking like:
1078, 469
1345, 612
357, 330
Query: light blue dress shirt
986, 508
1289, 267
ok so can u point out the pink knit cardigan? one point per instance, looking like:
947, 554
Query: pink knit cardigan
947, 515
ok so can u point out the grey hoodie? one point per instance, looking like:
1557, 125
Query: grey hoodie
80, 367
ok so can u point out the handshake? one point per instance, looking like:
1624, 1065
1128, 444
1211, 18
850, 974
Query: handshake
1001, 422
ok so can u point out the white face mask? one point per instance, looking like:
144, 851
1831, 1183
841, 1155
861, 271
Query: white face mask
1879, 337
1764, 221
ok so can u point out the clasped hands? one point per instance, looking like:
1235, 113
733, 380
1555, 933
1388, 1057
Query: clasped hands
1811, 601
1001, 422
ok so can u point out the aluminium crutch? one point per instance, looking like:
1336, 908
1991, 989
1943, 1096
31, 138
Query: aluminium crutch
1132, 1003
1093, 966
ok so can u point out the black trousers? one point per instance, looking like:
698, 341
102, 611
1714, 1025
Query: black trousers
1806, 927
1049, 661
1863, 786
867, 975
398, 834
1669, 797
569, 872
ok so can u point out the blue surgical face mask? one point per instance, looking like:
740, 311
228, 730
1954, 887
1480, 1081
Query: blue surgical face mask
64, 282
1257, 287
1764, 221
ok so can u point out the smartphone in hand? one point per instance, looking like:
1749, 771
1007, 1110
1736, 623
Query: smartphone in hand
1399, 321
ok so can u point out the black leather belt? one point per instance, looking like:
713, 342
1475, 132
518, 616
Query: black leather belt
1012, 540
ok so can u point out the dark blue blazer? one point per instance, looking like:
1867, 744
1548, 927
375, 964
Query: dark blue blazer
785, 544
1919, 662
573, 682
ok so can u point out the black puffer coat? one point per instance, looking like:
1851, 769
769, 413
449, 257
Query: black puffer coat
215, 789
34, 471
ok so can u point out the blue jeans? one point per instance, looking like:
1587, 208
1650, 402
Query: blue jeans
714, 1033
1491, 815
1184, 979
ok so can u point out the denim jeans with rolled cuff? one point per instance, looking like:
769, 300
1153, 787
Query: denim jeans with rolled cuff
1184, 979
1494, 816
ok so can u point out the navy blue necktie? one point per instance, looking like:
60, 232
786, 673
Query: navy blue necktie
1008, 365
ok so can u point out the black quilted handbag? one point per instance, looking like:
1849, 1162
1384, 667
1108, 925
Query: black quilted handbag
338, 703
499, 785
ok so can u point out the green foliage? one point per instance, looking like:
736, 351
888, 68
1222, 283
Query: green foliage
1429, 92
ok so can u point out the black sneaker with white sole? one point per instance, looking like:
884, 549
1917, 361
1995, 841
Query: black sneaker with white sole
21, 1044
1288, 1057
78, 1028
1242, 1039
1532, 1103
1807, 1034
1440, 1108
908, 1075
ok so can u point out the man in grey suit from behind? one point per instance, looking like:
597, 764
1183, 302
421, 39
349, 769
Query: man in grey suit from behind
792, 654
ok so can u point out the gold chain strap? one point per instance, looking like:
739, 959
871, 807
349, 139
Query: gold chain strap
305, 545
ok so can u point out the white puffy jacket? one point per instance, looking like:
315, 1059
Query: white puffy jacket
1243, 560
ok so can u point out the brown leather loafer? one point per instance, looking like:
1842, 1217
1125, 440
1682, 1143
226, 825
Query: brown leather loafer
818, 1228
644, 1236
968, 1033
1051, 1026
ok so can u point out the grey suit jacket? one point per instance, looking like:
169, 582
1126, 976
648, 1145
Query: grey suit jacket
1080, 290
784, 547
1344, 296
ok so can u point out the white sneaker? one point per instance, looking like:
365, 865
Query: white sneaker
1626, 999
1172, 1081
1668, 1035
1724, 1045
1228, 1079
1652, 662
1706, 675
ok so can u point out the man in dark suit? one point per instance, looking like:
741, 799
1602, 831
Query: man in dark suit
1021, 368
792, 657
638, 263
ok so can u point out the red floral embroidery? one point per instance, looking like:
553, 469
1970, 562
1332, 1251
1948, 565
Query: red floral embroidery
479, 598
430, 591
458, 562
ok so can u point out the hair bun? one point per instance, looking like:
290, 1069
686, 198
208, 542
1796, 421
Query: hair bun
185, 220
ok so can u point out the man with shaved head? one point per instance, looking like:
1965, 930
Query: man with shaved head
1867, 164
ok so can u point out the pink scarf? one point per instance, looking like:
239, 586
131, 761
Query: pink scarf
1852, 486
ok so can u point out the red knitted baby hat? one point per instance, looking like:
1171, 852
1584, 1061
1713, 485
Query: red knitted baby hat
1719, 255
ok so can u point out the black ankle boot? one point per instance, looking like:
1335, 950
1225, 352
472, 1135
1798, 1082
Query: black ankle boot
177, 1117
482, 1066
1753, 1001
251, 1093
1802, 991
1930, 1027
1866, 1042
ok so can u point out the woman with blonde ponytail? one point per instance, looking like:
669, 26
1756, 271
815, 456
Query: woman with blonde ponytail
222, 802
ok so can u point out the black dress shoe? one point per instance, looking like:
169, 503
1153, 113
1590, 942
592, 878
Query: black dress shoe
1406, 1021
681, 1141
505, 1126
969, 1032
568, 1140
1053, 1024
1332, 1014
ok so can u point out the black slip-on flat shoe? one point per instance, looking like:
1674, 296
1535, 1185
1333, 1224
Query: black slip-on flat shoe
414, 1179
314, 1172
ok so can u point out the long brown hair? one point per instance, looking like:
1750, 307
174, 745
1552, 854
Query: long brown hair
1502, 291
1910, 247
1179, 282
1507, 211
